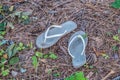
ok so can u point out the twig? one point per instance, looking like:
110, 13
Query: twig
110, 73
92, 7
62, 4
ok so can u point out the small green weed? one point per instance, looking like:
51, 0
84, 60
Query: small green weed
76, 76
34, 61
105, 56
39, 54
116, 38
2, 52
49, 71
115, 48
52, 55
30, 45
13, 60
109, 33
116, 4
56, 74
4, 72
88, 66
20, 46
7, 55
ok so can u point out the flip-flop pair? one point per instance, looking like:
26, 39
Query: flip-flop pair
77, 42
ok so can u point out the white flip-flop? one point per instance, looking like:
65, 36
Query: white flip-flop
54, 33
76, 48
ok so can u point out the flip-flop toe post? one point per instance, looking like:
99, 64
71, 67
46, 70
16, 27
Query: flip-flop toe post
76, 48
54, 33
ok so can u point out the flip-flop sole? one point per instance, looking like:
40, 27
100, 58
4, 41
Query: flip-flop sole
68, 26
79, 61
76, 49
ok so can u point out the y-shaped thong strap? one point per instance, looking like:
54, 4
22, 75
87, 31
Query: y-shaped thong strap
52, 36
79, 36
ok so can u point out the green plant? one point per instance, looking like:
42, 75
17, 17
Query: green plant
116, 4
105, 56
13, 60
56, 74
1, 52
2, 26
20, 46
116, 37
30, 45
115, 48
52, 55
45, 56
12, 50
4, 72
23, 17
49, 71
2, 62
39, 54
2, 33
109, 33
88, 66
91, 67
34, 61
76, 76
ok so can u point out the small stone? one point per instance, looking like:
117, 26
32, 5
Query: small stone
52, 12
116, 56
14, 73
116, 78
22, 70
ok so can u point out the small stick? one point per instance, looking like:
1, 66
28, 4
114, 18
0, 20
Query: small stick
110, 73
62, 4
92, 7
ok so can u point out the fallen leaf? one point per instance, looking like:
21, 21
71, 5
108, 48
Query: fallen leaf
9, 24
89, 75
2, 26
5, 56
14, 60
11, 50
43, 60
34, 61
11, 8
98, 53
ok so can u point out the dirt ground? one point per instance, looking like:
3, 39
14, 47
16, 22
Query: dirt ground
95, 17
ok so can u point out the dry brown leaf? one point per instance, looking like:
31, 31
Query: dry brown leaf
5, 56
89, 75
43, 60
98, 53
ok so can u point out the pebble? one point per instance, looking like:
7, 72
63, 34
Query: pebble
14, 73
22, 70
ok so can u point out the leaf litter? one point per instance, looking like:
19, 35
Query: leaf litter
21, 28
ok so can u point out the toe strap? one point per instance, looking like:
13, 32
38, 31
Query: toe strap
56, 35
80, 37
